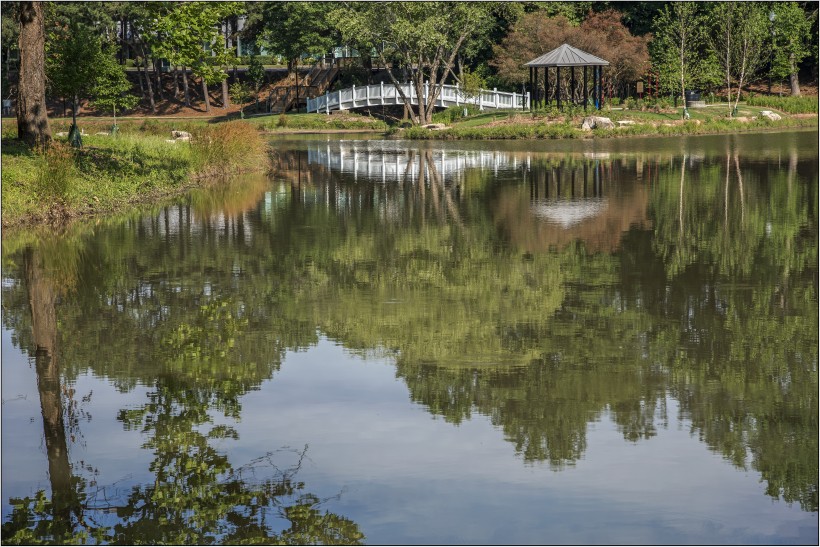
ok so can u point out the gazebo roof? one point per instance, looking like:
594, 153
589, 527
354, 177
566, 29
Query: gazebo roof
566, 55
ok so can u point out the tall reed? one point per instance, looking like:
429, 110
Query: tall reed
56, 168
227, 147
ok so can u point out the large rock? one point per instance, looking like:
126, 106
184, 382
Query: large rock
769, 115
594, 122
181, 135
435, 126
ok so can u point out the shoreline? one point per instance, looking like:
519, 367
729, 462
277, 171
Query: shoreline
58, 213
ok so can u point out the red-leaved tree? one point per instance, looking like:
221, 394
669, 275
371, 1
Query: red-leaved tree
601, 34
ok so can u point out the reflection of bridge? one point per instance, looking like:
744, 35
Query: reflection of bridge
379, 162
388, 95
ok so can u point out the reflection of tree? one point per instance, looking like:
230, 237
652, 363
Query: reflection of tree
198, 497
58, 514
200, 346
743, 351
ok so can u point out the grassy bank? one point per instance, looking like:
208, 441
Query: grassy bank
338, 121
553, 125
110, 172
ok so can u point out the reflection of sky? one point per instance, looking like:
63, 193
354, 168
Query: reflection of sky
568, 213
407, 477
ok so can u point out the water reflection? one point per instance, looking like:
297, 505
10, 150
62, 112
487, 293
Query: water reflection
542, 291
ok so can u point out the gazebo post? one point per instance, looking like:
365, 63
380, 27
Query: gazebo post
547, 85
532, 93
585, 88
566, 56
597, 84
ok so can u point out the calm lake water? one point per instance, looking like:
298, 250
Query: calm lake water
398, 342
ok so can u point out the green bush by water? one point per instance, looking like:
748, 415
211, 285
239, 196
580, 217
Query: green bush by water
790, 105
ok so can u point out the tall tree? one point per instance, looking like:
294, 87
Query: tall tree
74, 55
295, 28
184, 30
111, 89
738, 38
601, 34
678, 49
32, 114
791, 40
425, 36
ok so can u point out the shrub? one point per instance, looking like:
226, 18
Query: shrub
283, 120
56, 168
227, 146
791, 105
453, 113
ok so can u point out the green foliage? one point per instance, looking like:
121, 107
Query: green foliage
111, 89
680, 51
72, 57
791, 105
241, 94
256, 72
453, 113
792, 39
425, 35
738, 39
295, 28
186, 27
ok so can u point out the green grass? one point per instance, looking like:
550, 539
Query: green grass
713, 119
301, 121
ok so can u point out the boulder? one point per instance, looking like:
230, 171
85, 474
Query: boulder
435, 126
181, 135
769, 115
593, 122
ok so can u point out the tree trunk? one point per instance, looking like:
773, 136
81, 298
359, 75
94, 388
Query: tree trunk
205, 95
158, 77
139, 80
186, 91
176, 82
795, 83
32, 114
42, 302
225, 100
148, 83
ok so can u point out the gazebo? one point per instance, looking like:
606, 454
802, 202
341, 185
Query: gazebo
566, 56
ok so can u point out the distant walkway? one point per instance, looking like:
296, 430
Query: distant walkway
387, 95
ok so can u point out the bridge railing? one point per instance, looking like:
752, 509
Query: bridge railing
387, 94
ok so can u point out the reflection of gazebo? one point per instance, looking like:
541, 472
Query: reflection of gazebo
565, 56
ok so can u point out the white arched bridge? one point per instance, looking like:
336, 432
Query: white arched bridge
388, 95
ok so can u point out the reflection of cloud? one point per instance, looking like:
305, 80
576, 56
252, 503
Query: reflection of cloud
569, 213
